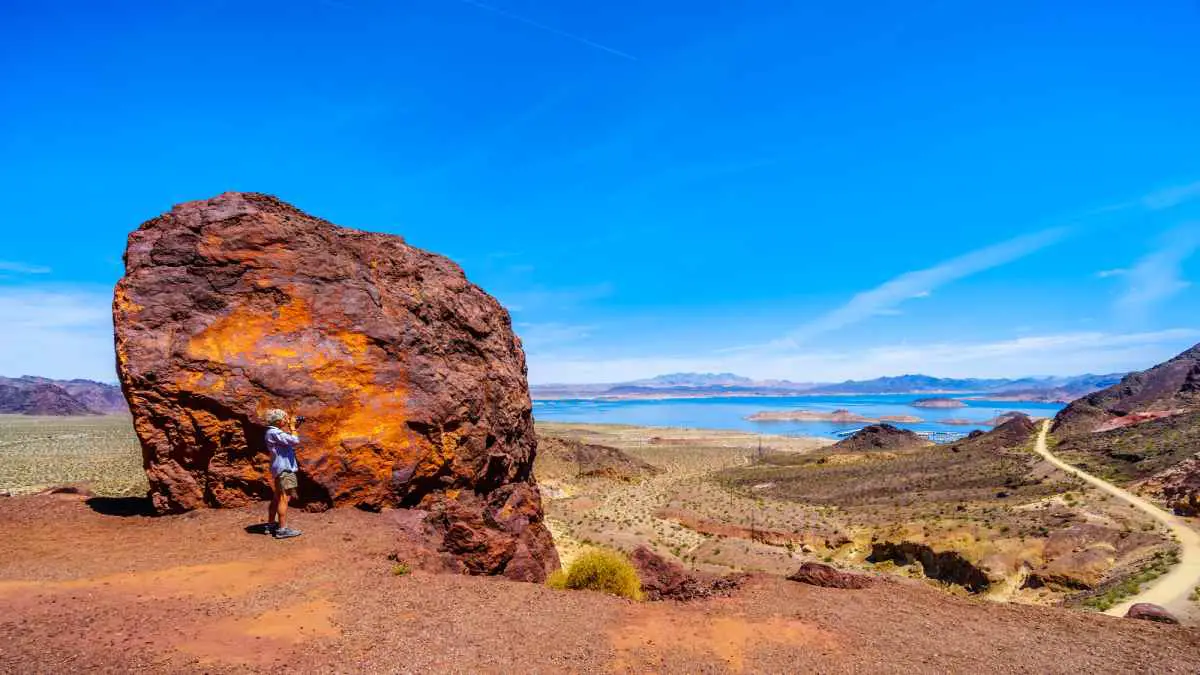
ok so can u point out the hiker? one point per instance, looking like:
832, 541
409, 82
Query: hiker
282, 445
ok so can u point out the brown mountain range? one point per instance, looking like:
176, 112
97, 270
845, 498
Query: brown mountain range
30, 395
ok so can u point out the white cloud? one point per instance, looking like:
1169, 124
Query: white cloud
1104, 274
22, 268
919, 284
1172, 196
1158, 275
1054, 354
60, 333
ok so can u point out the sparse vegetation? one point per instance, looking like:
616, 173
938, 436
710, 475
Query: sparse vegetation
599, 569
1133, 453
401, 569
41, 452
1159, 564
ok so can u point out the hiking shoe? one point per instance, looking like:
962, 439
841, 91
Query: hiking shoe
286, 533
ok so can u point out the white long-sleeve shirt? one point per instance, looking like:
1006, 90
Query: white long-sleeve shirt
282, 446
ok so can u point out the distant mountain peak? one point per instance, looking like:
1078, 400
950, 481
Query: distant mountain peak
694, 380
727, 384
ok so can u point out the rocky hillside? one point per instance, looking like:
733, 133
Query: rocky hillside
1143, 431
588, 459
1016, 431
1136, 452
974, 469
880, 437
1173, 386
30, 395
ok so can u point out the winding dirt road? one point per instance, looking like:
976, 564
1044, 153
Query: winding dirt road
1173, 588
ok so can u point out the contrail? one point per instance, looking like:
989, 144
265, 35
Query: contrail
550, 29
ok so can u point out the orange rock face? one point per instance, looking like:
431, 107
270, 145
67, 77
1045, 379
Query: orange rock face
410, 378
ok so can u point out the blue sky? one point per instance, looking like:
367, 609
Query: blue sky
779, 189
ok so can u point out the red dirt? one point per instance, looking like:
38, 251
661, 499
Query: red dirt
89, 592
1133, 419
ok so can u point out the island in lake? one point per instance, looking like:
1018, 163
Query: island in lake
938, 403
840, 415
994, 422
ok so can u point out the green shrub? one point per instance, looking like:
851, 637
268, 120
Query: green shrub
401, 569
601, 570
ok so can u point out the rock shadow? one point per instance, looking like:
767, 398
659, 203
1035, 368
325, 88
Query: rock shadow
122, 506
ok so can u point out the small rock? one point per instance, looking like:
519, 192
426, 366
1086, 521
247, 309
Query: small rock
825, 576
1150, 612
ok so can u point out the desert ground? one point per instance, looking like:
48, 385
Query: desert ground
731, 501
96, 583
41, 452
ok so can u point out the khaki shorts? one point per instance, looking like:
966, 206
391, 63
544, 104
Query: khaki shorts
286, 480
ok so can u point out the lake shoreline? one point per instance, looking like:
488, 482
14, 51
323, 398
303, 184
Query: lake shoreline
769, 414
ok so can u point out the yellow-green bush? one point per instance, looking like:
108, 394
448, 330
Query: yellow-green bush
601, 570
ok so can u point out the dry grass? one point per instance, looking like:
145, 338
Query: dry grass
602, 570
41, 452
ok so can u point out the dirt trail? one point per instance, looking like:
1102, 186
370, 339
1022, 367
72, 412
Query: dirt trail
1173, 588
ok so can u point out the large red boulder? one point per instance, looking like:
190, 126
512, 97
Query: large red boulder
410, 377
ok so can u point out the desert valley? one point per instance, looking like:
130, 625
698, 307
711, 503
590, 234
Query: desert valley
135, 542
532, 336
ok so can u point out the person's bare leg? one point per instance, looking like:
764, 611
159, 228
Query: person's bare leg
281, 506
271, 506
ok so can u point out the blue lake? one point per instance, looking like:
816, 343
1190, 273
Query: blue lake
731, 412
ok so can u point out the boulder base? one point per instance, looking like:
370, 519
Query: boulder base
410, 377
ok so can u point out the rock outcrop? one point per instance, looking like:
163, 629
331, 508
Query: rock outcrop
663, 579
1178, 487
816, 574
947, 566
410, 377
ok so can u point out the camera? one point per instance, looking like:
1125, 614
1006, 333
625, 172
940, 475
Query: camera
299, 420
